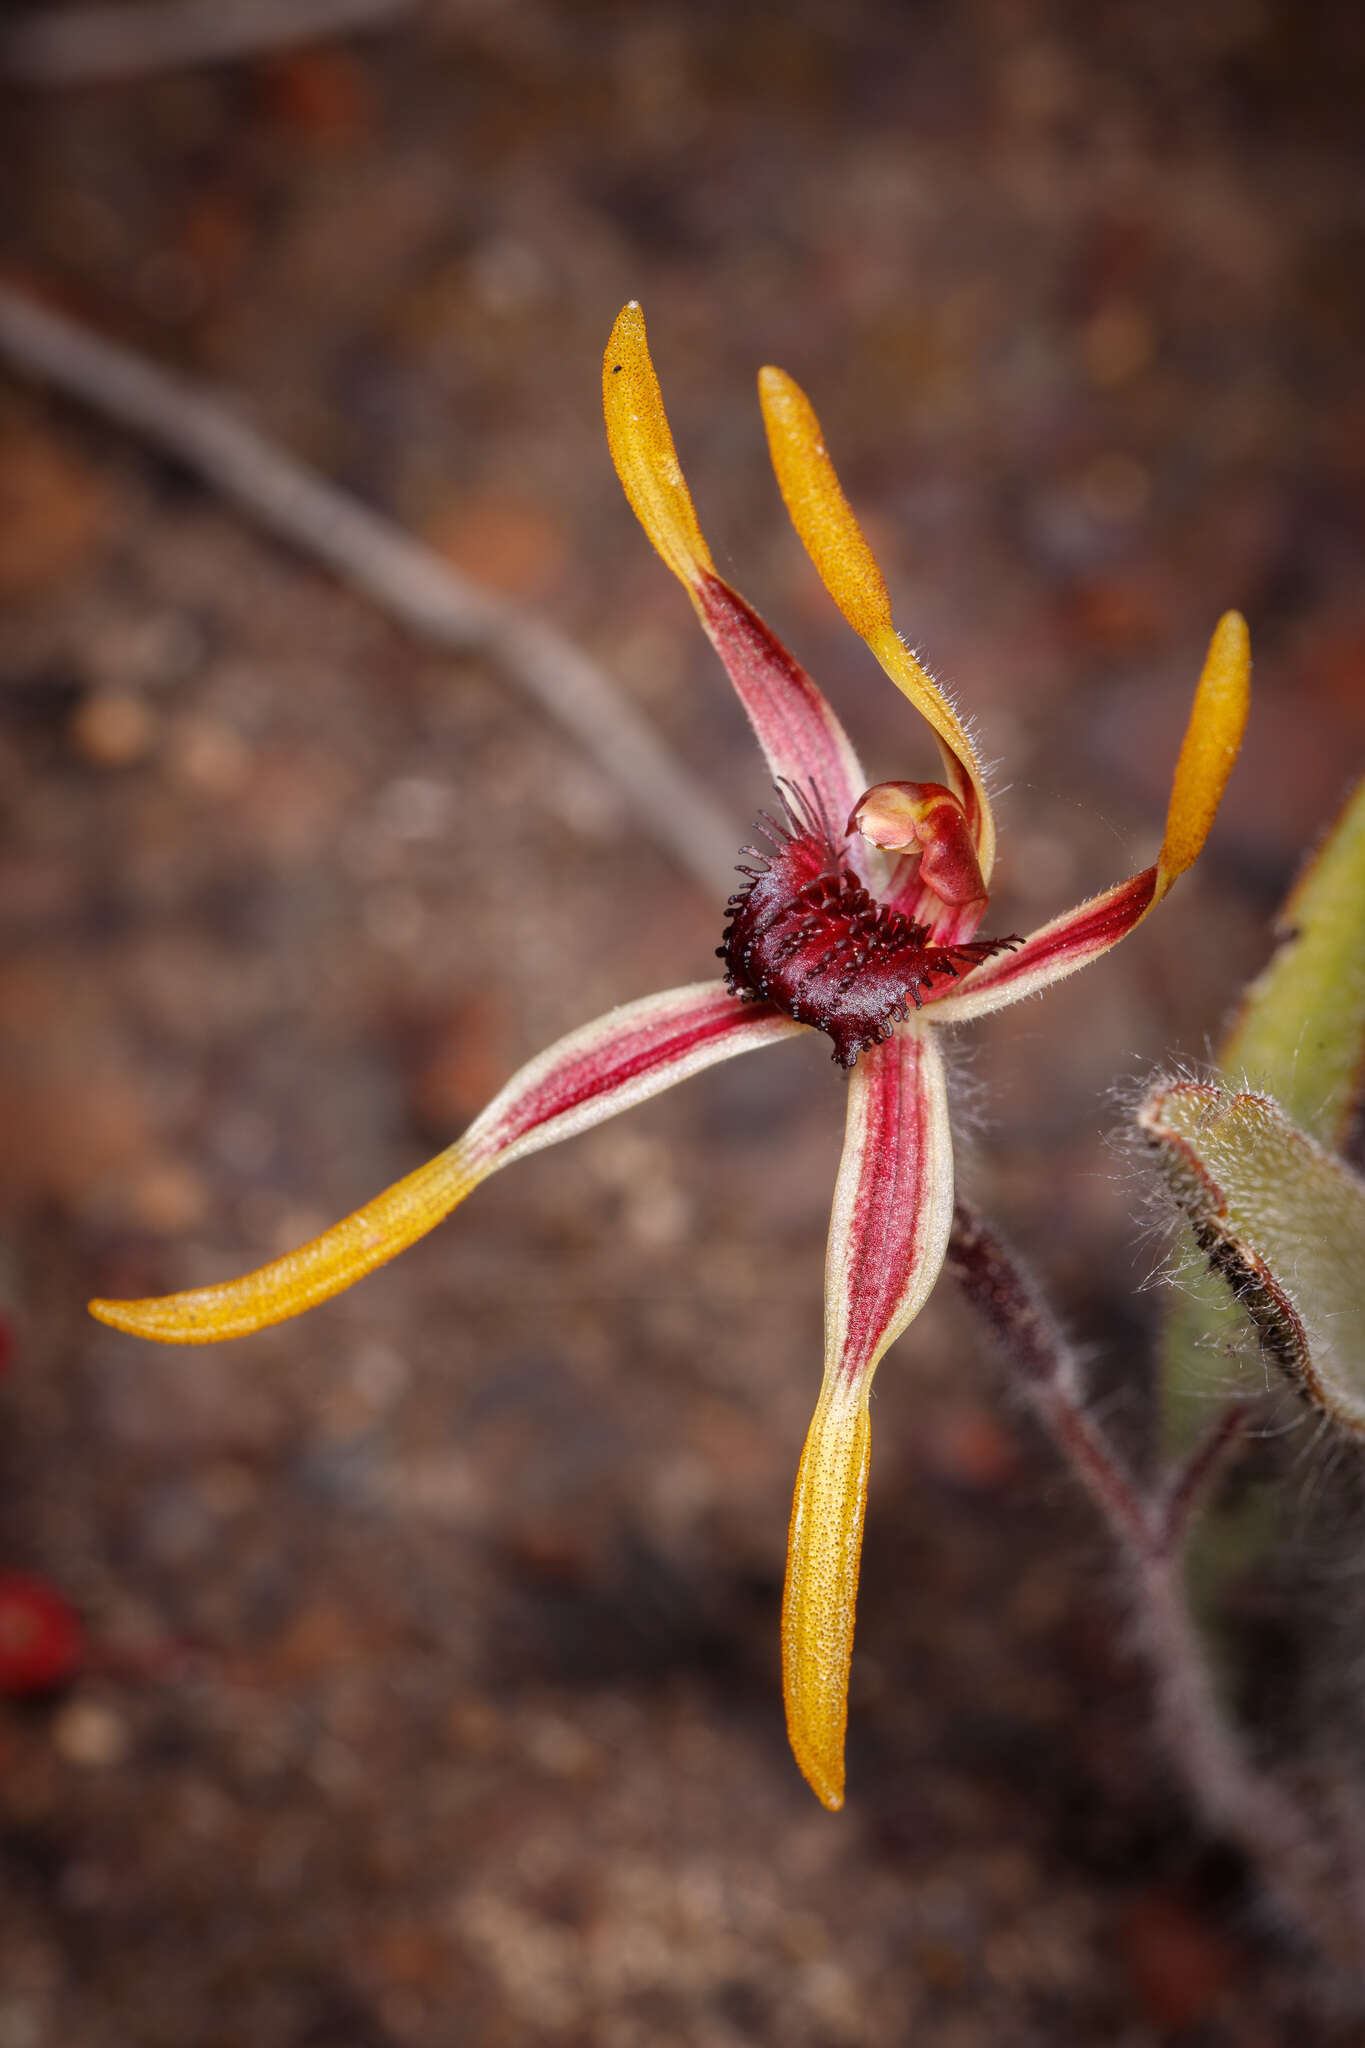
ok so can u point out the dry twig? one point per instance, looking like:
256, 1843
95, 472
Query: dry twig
407, 579
72, 45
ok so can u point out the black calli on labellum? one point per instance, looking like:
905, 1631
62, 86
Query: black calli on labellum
806, 935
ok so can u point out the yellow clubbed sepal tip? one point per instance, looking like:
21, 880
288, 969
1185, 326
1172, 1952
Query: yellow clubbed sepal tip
1212, 738
315, 1272
820, 1597
642, 449
829, 531
819, 511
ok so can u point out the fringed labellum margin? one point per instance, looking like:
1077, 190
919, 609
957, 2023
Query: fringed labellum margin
808, 937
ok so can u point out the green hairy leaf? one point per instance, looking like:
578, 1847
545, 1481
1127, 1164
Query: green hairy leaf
1282, 1222
1300, 1032
1299, 1036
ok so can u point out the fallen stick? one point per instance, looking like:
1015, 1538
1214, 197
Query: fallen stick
76, 44
408, 580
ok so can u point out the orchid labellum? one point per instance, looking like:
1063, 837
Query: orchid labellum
859, 920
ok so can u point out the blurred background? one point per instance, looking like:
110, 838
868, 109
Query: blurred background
429, 1690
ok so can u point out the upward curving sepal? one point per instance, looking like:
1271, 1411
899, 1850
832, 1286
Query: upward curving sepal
641, 443
893, 1205
822, 515
804, 742
847, 567
593, 1074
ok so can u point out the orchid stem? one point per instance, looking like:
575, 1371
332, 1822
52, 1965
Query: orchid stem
1259, 1813
1193, 1480
1000, 1288
74, 44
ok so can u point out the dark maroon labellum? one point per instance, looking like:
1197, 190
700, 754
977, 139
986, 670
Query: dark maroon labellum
806, 935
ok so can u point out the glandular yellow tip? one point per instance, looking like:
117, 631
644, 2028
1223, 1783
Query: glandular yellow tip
1212, 738
643, 451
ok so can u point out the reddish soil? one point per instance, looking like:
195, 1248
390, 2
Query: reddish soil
432, 1690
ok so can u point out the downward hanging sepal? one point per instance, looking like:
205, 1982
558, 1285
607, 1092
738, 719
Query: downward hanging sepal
893, 1205
824, 1545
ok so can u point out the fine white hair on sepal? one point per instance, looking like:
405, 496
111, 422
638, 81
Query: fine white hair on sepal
968, 1092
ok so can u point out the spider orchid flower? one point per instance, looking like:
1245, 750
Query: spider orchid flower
858, 921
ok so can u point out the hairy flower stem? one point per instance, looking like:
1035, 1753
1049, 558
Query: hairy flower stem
1255, 1811
1190, 1481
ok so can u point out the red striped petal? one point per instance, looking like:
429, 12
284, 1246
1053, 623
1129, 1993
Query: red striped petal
1049, 954
593, 1074
801, 738
1212, 736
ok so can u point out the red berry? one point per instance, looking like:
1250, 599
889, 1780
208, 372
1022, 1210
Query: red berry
41, 1641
